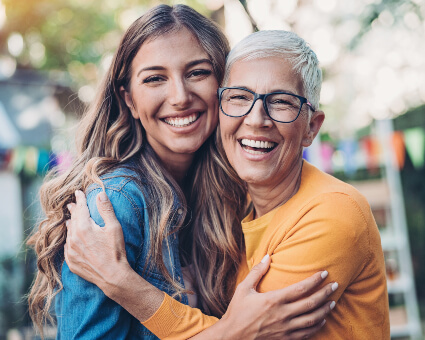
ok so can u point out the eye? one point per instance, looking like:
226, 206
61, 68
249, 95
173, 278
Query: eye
199, 73
238, 97
152, 79
280, 101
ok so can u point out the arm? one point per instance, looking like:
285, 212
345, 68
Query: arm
85, 311
331, 233
248, 316
337, 233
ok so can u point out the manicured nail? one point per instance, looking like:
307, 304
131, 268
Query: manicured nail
103, 197
265, 258
324, 274
335, 286
323, 322
332, 305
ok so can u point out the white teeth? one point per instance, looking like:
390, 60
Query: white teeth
255, 152
258, 144
181, 122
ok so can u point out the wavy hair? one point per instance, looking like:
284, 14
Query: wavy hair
109, 137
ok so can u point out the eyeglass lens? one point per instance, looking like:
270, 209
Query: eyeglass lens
281, 107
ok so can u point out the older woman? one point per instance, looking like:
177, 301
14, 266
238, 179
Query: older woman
304, 219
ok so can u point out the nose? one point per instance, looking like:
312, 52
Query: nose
179, 94
258, 117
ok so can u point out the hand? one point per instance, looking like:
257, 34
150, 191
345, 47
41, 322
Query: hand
96, 254
294, 312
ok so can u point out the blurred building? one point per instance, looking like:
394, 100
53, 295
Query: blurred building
30, 112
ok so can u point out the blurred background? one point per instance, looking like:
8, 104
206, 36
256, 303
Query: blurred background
372, 52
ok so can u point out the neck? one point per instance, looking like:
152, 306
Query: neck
178, 167
266, 197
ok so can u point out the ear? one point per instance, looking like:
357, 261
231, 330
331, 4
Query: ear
314, 126
126, 96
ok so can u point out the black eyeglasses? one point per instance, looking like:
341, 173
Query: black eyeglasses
281, 107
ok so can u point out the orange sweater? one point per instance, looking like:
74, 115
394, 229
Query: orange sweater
326, 225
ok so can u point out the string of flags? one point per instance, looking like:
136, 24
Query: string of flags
32, 161
349, 155
346, 155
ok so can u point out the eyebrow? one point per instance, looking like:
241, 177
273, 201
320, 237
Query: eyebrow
162, 68
276, 90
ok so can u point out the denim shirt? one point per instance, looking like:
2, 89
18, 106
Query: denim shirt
82, 310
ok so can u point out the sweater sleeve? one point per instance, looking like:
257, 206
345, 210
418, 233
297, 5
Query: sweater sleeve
174, 320
332, 233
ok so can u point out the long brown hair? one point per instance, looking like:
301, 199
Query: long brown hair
109, 137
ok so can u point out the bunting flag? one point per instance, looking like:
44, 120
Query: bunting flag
397, 142
326, 152
64, 161
415, 146
372, 151
31, 161
349, 149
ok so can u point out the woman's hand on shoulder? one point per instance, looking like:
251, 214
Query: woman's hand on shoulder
96, 254
295, 312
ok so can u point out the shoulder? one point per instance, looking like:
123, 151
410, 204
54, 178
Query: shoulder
322, 188
121, 183
327, 207
125, 191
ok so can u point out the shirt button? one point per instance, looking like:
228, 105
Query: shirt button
180, 211
178, 278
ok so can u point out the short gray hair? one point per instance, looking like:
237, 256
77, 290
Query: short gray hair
284, 44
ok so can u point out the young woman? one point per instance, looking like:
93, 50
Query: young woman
146, 141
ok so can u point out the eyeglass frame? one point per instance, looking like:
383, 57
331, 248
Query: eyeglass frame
263, 97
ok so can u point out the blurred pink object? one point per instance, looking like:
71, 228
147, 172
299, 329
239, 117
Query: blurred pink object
64, 161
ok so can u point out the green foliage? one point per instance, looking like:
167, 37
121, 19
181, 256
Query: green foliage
73, 36
397, 8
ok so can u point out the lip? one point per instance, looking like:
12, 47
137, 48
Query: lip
257, 138
183, 114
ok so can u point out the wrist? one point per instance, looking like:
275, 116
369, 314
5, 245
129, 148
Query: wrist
114, 282
224, 329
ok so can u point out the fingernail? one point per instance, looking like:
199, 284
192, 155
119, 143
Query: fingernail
324, 274
68, 206
323, 322
265, 258
77, 193
332, 305
67, 223
103, 197
335, 286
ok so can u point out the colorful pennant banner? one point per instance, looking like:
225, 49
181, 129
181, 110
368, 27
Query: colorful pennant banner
349, 155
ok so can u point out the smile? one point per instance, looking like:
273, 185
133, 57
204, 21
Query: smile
182, 121
257, 147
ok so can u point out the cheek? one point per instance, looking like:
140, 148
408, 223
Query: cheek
227, 126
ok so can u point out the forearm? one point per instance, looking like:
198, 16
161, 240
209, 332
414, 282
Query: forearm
161, 314
133, 292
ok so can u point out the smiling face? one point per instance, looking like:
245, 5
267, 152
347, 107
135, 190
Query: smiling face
264, 152
173, 93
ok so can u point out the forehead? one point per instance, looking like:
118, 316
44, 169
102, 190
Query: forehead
177, 45
266, 74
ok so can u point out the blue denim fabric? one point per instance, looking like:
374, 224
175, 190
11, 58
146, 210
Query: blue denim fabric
83, 311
